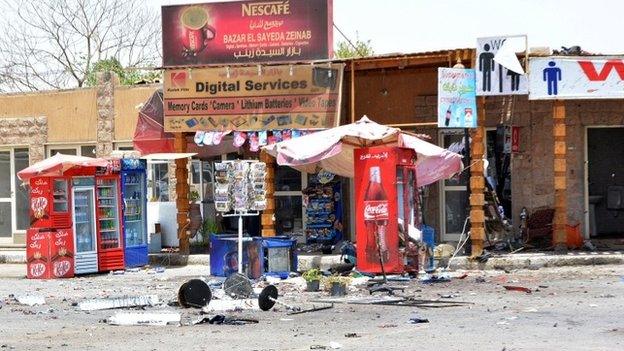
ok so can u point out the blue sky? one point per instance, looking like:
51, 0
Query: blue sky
424, 25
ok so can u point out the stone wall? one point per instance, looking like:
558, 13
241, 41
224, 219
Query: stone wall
26, 131
105, 101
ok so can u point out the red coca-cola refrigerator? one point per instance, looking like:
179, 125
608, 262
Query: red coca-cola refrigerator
109, 225
386, 206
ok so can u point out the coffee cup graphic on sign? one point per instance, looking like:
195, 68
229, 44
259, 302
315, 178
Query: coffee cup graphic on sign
196, 31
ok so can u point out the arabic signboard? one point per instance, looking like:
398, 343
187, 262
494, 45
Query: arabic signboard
247, 32
457, 105
492, 77
576, 77
253, 98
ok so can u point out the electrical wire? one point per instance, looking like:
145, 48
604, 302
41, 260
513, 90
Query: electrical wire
460, 244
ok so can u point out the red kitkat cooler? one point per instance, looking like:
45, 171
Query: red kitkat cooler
38, 254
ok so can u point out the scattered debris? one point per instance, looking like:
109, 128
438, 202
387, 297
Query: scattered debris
120, 272
335, 345
417, 320
479, 280
318, 347
463, 276
122, 302
238, 286
388, 326
30, 300
517, 288
449, 296
194, 293
221, 319
231, 305
133, 270
313, 309
352, 335
138, 318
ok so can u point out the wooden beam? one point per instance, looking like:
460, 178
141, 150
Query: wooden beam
352, 91
182, 193
267, 220
409, 61
560, 184
477, 182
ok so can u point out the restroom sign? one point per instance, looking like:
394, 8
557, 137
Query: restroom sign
580, 77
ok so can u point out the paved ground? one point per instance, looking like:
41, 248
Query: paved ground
571, 308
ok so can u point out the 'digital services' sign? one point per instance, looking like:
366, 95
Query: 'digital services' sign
252, 98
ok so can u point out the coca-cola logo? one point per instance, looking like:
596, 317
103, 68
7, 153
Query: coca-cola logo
41, 181
61, 234
379, 156
376, 210
36, 269
60, 242
35, 245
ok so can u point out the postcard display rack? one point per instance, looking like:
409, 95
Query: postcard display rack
239, 191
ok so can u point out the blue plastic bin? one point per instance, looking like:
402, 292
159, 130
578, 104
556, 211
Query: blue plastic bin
224, 255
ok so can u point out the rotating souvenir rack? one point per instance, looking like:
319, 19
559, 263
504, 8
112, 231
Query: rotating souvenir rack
239, 191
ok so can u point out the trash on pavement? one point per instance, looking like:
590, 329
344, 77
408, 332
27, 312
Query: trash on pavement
352, 335
414, 319
141, 318
517, 288
335, 345
222, 319
30, 300
231, 305
122, 302
194, 293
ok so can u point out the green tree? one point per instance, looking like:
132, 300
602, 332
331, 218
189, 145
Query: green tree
359, 48
126, 76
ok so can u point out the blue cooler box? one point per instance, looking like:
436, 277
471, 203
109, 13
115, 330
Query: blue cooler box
280, 255
224, 255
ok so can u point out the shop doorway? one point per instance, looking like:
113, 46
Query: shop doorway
454, 200
14, 199
604, 182
454, 205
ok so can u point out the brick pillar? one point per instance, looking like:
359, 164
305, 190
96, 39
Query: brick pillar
182, 193
105, 104
561, 209
477, 182
268, 215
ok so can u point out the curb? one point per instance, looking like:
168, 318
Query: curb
537, 261
324, 262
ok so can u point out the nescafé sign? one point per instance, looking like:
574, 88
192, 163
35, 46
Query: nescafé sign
246, 32
253, 98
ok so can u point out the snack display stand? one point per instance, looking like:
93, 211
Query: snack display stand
239, 191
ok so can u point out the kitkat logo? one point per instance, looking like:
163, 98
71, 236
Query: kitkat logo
178, 79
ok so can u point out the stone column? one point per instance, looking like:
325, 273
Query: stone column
105, 104
182, 193
268, 215
477, 182
561, 208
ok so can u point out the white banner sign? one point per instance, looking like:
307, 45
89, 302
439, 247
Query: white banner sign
498, 66
580, 77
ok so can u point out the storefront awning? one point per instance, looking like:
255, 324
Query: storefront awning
332, 150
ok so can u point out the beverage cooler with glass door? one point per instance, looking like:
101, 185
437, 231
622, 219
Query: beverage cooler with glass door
134, 195
109, 228
386, 206
84, 224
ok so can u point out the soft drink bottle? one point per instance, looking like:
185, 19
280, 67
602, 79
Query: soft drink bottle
376, 218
